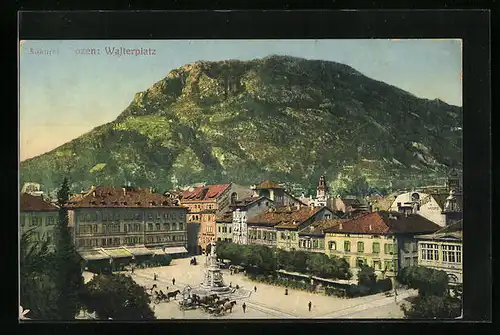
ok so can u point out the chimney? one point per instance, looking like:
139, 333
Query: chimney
370, 227
297, 205
340, 226
124, 191
93, 194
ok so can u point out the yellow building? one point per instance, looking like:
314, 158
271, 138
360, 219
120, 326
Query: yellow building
312, 237
224, 225
442, 250
382, 240
280, 226
294, 220
39, 215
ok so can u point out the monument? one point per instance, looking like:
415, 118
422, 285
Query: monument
213, 281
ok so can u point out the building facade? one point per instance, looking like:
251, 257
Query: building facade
442, 250
246, 209
39, 216
383, 240
312, 237
276, 193
205, 203
292, 220
127, 222
224, 225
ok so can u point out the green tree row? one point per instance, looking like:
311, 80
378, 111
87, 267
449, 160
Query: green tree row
262, 259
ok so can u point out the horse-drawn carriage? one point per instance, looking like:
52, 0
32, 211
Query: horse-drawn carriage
160, 296
211, 304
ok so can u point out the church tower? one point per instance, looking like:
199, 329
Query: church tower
321, 193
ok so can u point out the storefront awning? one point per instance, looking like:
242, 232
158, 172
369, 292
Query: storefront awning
175, 250
117, 252
139, 251
93, 255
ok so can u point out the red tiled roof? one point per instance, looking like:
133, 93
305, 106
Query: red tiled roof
120, 197
384, 222
284, 217
30, 203
268, 184
201, 193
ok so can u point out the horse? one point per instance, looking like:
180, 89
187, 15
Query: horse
222, 301
173, 294
228, 306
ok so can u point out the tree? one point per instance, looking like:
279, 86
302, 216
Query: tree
118, 297
37, 289
67, 263
433, 306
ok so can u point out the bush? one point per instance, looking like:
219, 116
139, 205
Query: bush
431, 306
384, 285
428, 281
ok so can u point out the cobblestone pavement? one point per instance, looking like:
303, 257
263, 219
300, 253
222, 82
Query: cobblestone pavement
268, 301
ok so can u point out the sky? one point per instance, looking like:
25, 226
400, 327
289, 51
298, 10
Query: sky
64, 93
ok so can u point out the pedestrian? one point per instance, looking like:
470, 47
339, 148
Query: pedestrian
132, 270
230, 284
255, 289
244, 307
286, 291
310, 305
154, 276
173, 281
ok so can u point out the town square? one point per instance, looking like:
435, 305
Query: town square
242, 180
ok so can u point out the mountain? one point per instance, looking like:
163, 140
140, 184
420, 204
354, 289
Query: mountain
279, 117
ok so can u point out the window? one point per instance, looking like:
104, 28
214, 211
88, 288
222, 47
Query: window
293, 236
158, 227
360, 262
138, 216
361, 247
332, 245
259, 236
283, 235
173, 216
389, 248
50, 220
407, 246
388, 265
104, 216
95, 228
229, 230
165, 226
150, 216
158, 216
327, 216
150, 226
347, 246
34, 221
430, 252
376, 248
452, 253
377, 265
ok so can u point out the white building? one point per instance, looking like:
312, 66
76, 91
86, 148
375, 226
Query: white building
430, 206
442, 250
242, 211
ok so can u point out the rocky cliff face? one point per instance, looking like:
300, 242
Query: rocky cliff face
279, 117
